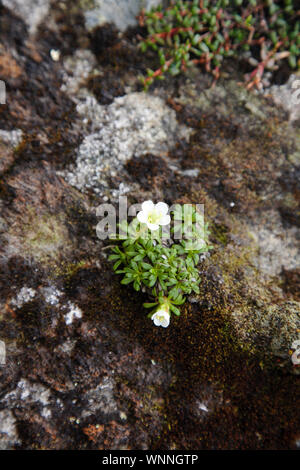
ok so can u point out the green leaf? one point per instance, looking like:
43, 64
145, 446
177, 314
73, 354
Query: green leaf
116, 265
292, 61
150, 304
113, 257
146, 266
175, 310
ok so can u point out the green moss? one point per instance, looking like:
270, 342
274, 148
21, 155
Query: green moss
69, 270
44, 237
220, 233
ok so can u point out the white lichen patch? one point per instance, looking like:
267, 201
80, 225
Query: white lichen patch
76, 69
288, 96
73, 313
209, 399
27, 394
25, 295
101, 399
8, 430
202, 406
51, 295
66, 347
134, 124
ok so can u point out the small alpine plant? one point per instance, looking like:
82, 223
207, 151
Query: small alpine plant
205, 32
158, 253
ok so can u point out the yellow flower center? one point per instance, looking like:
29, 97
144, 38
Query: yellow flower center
153, 217
161, 318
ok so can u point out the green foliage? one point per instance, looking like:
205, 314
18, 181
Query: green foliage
207, 31
165, 268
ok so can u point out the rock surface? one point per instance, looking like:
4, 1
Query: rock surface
32, 12
132, 125
122, 13
288, 96
84, 368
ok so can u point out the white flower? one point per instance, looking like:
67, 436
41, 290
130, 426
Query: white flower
154, 215
296, 344
161, 317
295, 358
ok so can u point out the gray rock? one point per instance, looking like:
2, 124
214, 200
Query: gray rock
276, 244
101, 399
284, 322
76, 69
288, 96
132, 125
8, 430
273, 328
123, 13
28, 394
32, 12
13, 138
3, 225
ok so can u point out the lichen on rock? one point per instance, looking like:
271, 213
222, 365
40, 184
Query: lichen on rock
132, 125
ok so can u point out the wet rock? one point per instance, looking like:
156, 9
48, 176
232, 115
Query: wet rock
123, 13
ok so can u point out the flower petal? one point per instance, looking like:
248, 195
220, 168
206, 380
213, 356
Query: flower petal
147, 206
162, 208
296, 344
142, 217
165, 220
152, 226
166, 321
160, 312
